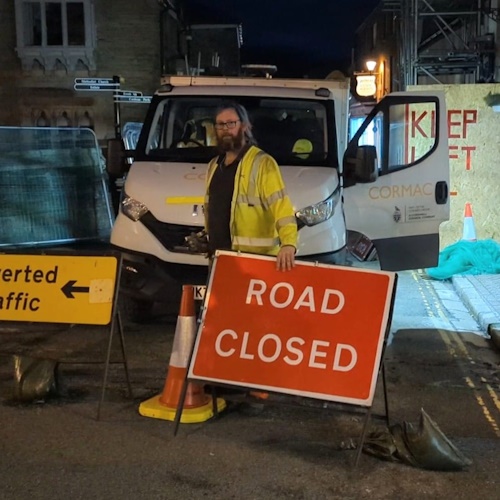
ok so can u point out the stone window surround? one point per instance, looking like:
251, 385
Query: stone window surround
68, 58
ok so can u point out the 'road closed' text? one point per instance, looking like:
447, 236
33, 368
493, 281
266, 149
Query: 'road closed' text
270, 348
282, 295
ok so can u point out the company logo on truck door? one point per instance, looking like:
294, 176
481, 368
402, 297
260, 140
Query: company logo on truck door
402, 191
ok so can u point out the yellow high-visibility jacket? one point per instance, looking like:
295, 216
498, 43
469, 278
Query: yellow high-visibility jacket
262, 215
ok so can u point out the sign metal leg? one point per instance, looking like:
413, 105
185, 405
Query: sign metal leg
106, 366
386, 399
180, 405
215, 409
124, 354
363, 436
182, 397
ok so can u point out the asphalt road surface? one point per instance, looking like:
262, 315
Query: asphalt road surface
437, 360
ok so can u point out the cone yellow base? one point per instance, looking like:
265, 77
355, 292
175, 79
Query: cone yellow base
154, 409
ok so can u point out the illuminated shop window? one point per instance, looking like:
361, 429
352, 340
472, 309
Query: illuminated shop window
54, 33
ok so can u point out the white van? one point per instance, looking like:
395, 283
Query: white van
389, 183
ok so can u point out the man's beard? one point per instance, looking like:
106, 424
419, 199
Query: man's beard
228, 142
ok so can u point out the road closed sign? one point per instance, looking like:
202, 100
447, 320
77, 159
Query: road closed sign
316, 331
57, 289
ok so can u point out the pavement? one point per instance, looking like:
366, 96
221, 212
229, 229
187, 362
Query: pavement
481, 296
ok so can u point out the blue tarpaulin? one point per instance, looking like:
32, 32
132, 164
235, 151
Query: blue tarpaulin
467, 257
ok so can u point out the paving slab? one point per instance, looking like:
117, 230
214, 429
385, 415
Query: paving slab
481, 295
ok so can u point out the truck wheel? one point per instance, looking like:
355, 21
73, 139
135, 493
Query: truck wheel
135, 310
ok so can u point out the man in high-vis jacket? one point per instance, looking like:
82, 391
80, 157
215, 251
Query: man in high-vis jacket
246, 204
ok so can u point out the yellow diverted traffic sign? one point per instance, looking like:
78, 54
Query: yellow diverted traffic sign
57, 289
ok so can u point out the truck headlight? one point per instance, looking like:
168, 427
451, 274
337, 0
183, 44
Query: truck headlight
133, 209
319, 212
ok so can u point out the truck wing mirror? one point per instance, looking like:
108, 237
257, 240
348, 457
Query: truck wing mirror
360, 165
117, 158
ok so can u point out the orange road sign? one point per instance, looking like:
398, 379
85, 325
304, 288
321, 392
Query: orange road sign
57, 289
316, 331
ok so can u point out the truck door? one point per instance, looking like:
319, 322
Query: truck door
396, 179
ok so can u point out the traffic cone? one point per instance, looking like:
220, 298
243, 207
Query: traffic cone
469, 233
198, 406
259, 394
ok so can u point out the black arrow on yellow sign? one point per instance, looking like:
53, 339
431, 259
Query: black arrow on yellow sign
69, 289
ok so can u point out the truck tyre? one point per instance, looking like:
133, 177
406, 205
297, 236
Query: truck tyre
135, 310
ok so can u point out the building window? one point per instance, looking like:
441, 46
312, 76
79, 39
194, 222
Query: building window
51, 33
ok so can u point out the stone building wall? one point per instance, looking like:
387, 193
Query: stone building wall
9, 67
127, 44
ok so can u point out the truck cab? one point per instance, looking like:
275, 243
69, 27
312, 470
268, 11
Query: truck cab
383, 184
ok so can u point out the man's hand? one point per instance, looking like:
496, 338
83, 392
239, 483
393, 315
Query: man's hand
285, 260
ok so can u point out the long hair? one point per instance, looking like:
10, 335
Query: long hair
242, 115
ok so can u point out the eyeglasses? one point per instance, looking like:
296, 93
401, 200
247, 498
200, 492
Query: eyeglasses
228, 125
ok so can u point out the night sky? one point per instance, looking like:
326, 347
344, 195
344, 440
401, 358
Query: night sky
301, 37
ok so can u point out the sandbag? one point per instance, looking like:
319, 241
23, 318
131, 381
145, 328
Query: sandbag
380, 443
423, 445
34, 379
389, 444
430, 448
402, 451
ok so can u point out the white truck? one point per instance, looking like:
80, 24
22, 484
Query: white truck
388, 183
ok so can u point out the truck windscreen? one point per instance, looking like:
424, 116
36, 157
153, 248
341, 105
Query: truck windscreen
294, 131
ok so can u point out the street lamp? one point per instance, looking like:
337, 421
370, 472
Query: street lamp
370, 65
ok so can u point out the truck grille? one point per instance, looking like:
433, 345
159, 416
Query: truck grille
171, 236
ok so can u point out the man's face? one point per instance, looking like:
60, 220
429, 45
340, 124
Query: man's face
229, 130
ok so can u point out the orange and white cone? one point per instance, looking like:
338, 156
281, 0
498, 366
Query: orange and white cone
469, 233
198, 406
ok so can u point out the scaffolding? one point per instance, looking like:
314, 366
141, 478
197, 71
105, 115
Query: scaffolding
444, 41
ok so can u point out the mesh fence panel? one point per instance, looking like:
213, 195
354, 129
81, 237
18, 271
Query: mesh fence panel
53, 187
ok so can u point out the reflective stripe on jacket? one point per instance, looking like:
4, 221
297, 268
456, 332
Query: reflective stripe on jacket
262, 215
